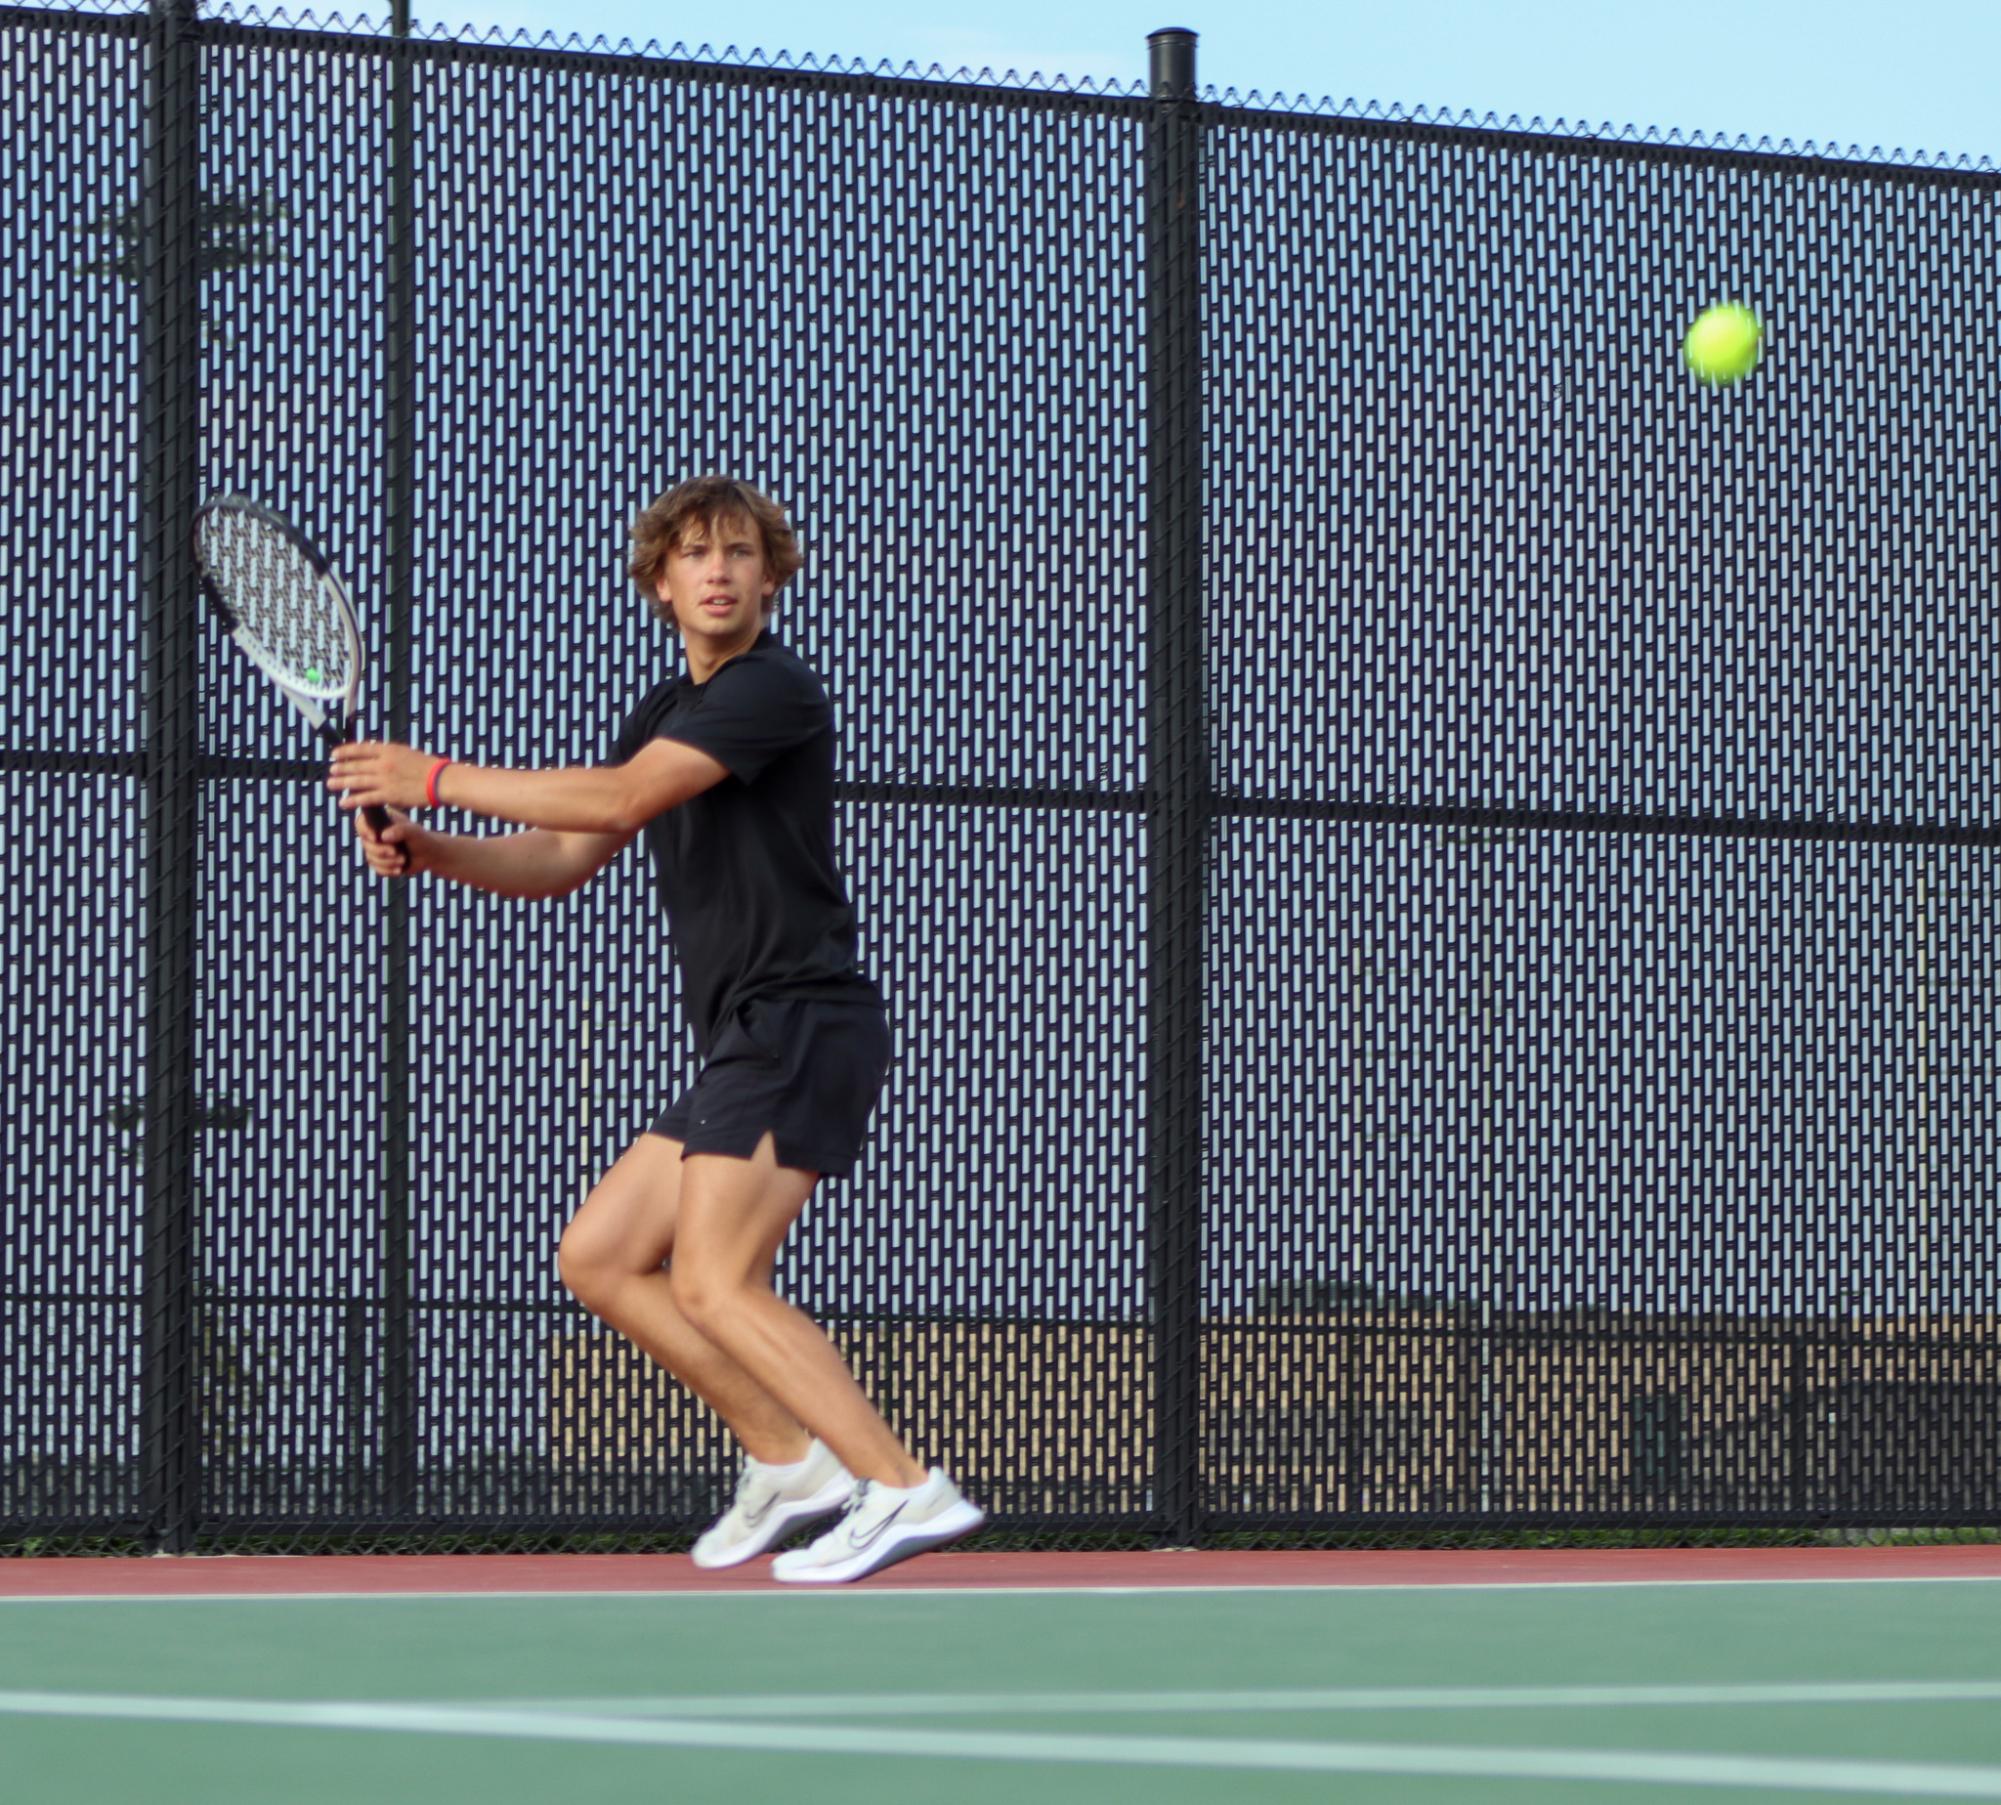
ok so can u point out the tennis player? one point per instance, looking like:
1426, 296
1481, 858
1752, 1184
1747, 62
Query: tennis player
728, 770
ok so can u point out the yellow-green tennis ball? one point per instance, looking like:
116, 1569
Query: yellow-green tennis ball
1723, 343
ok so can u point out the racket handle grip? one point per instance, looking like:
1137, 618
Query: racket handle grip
379, 819
336, 732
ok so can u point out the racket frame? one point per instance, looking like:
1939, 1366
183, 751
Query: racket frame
330, 712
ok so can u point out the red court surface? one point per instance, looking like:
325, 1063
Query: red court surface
171, 1576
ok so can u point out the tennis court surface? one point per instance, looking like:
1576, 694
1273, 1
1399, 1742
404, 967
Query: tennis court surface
1712, 1674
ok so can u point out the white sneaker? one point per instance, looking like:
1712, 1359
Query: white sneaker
882, 1525
771, 1502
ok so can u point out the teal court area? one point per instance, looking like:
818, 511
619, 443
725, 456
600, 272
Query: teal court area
1884, 1685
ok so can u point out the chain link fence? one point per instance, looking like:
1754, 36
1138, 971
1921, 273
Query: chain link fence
1436, 879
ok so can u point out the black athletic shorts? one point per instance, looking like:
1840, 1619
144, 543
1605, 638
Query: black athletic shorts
808, 1072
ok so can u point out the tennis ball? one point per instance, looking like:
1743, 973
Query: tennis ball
312, 673
1723, 343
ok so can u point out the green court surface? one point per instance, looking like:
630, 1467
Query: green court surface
1716, 1691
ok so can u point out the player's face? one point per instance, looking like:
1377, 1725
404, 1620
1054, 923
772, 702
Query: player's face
717, 582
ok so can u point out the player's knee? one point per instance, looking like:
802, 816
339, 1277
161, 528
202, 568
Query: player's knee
698, 1293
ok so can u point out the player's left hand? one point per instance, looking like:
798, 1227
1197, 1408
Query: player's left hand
379, 773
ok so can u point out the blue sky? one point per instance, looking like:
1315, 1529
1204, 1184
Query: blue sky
1920, 76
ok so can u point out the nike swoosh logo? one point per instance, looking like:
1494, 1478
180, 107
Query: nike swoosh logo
869, 1540
751, 1519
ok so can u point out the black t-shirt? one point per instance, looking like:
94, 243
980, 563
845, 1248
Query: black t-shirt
747, 870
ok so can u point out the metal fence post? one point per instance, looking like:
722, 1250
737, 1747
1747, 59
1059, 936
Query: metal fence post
169, 476
1177, 793
397, 1397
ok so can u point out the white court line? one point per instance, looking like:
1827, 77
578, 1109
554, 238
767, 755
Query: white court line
791, 1592
1346, 1698
1904, 1780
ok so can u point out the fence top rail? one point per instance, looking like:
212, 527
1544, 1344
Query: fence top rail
307, 31
1225, 108
1599, 143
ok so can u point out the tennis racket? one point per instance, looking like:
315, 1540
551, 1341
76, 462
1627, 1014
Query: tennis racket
281, 602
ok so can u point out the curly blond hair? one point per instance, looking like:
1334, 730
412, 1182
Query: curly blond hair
711, 502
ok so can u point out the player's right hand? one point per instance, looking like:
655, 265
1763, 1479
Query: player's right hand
398, 850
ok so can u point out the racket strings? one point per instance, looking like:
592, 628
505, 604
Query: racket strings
279, 602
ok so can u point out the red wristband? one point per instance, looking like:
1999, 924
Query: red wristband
431, 783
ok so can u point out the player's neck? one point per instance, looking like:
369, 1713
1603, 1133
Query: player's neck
708, 656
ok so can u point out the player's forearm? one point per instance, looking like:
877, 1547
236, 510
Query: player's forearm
581, 799
531, 865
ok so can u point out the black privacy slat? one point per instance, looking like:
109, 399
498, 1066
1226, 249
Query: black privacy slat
1435, 878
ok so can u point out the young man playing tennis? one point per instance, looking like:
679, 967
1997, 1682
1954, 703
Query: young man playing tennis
728, 770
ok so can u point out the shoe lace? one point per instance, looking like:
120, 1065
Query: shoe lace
857, 1500
851, 1514
751, 1484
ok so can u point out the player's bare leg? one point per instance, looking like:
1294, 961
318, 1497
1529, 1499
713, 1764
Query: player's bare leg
734, 1214
613, 1258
